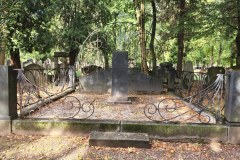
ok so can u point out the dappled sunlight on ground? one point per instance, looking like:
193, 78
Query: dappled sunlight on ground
39, 147
76, 147
96, 106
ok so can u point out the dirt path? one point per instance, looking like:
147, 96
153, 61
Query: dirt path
70, 148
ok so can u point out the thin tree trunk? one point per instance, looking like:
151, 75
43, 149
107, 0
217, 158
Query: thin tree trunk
151, 45
106, 60
2, 54
237, 40
219, 54
73, 55
212, 57
232, 57
180, 38
144, 66
15, 58
140, 16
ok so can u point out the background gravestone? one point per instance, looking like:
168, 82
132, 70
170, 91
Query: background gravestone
120, 76
188, 66
140, 82
34, 73
101, 81
212, 73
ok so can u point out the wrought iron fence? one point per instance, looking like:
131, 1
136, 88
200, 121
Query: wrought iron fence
190, 83
198, 97
37, 87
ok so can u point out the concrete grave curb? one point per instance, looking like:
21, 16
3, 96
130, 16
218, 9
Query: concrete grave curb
155, 130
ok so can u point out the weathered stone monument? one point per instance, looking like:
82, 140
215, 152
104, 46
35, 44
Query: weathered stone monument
34, 73
188, 66
119, 92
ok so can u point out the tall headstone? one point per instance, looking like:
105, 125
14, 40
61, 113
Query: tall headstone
119, 91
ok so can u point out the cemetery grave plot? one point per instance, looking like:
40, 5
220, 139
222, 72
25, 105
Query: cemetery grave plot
97, 107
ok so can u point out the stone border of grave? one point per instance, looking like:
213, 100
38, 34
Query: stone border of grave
167, 131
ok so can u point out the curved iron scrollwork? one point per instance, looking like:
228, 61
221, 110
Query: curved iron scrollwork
205, 106
191, 83
73, 108
34, 97
29, 93
70, 107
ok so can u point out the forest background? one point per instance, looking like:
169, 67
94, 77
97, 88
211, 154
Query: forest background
206, 32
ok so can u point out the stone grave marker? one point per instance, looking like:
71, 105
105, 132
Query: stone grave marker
119, 92
212, 73
188, 66
188, 74
34, 73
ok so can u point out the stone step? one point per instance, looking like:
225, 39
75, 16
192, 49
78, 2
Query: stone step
119, 139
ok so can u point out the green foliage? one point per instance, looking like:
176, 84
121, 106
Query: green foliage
40, 27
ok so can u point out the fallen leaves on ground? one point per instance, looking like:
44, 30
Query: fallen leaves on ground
76, 147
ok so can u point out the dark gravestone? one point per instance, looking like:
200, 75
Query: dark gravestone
99, 81
212, 73
8, 94
171, 79
139, 82
119, 76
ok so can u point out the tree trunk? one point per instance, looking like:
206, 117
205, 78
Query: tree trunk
73, 55
180, 37
2, 54
144, 66
219, 54
237, 41
151, 45
15, 58
106, 60
212, 57
140, 16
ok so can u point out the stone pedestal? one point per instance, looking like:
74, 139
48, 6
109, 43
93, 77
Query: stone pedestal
119, 77
8, 93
